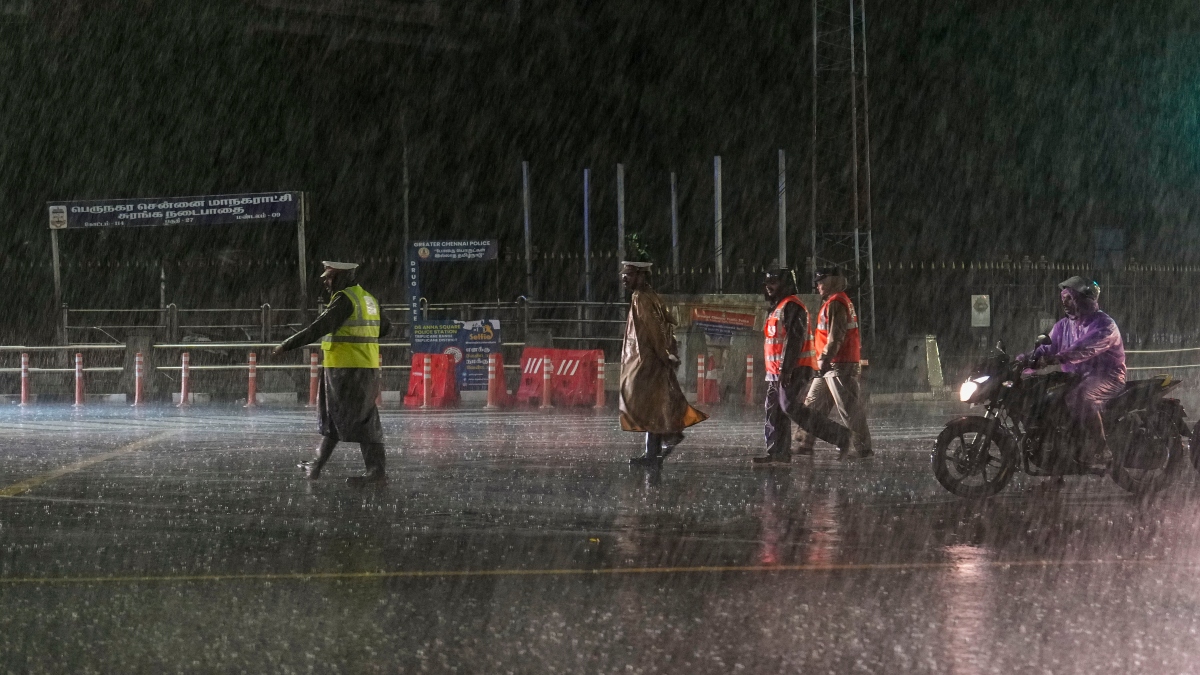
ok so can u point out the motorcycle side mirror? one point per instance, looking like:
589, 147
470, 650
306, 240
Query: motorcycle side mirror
1042, 340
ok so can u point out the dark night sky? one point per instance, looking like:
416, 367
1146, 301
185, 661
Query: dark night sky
1009, 128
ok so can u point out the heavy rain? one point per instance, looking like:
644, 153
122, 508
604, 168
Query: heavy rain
454, 336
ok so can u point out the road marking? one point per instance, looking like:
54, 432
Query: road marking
30, 483
612, 571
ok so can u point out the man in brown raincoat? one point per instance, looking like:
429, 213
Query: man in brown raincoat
650, 399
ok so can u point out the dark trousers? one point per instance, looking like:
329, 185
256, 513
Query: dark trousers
373, 454
785, 406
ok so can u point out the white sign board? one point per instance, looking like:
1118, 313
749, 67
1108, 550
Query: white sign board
981, 311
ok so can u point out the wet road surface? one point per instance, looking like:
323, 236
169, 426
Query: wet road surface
186, 541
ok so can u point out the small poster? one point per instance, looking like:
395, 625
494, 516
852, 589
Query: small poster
478, 341
471, 343
981, 311
721, 323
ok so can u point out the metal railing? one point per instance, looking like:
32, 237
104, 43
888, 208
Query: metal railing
598, 323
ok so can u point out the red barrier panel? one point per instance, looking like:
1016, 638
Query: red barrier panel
443, 391
572, 376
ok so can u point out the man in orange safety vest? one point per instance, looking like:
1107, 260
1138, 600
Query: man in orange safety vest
791, 363
839, 363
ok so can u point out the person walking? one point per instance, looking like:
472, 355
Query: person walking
351, 326
651, 400
839, 355
790, 356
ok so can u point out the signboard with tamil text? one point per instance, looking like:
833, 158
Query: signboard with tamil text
721, 323
247, 209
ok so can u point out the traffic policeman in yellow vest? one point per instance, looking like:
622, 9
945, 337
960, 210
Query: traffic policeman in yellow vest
791, 363
349, 329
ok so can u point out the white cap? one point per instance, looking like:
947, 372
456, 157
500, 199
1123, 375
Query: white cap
639, 265
339, 265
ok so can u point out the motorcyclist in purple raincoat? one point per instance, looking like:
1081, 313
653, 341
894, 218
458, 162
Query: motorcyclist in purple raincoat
1086, 341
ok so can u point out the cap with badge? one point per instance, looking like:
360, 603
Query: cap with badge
338, 266
638, 265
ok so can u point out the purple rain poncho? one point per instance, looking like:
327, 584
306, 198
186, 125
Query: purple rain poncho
1091, 346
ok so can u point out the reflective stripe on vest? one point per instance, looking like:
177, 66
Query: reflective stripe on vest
851, 350
775, 338
355, 344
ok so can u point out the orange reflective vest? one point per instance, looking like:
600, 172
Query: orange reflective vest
851, 351
775, 339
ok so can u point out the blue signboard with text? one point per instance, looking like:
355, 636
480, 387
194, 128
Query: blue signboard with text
471, 343
256, 209
465, 250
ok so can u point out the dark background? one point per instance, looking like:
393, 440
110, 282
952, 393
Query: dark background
998, 129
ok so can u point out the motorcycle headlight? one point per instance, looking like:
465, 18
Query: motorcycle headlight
970, 387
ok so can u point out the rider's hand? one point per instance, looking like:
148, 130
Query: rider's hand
1048, 360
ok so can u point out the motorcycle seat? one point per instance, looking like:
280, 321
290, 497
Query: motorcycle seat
1135, 388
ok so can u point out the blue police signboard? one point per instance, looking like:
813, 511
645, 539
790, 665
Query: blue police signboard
248, 209
467, 250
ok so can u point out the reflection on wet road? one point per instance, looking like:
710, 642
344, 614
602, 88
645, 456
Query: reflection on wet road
522, 542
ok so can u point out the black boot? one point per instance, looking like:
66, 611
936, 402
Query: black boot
669, 441
312, 468
375, 459
653, 455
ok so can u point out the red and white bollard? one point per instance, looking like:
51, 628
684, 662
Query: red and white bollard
78, 379
701, 385
313, 375
491, 391
379, 379
184, 375
139, 375
600, 381
749, 380
252, 383
427, 382
547, 386
24, 378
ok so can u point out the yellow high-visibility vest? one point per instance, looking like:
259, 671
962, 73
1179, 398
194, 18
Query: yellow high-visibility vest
356, 343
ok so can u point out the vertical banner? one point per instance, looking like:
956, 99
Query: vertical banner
438, 337
478, 340
471, 343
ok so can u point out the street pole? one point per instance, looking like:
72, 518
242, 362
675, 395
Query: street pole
719, 252
587, 237
782, 210
674, 232
620, 217
528, 242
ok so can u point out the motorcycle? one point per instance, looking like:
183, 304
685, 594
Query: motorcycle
1026, 425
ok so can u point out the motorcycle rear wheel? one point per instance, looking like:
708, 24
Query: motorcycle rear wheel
1143, 482
970, 462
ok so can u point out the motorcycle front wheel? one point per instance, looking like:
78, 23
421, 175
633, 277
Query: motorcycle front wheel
972, 460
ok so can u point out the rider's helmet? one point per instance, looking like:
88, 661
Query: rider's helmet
1084, 287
